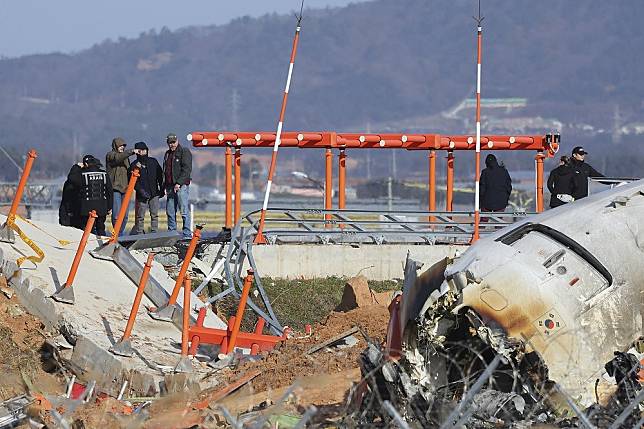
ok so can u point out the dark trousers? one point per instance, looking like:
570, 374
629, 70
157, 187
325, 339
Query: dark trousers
99, 225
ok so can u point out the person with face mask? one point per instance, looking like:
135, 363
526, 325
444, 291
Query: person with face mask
148, 188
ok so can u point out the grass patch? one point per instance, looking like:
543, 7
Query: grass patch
300, 302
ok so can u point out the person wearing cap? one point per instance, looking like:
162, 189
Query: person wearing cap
582, 171
177, 170
149, 187
95, 192
117, 164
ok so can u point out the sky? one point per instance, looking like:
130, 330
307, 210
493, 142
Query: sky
43, 26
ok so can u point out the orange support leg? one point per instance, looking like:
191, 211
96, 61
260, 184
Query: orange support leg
328, 186
184, 364
432, 183
124, 347
166, 312
539, 166
124, 205
237, 184
229, 188
342, 175
31, 156
450, 181
248, 282
66, 294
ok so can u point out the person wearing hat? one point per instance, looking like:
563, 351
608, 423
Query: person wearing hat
117, 164
149, 187
582, 171
95, 192
177, 170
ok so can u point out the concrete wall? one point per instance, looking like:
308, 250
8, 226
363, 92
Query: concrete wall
376, 262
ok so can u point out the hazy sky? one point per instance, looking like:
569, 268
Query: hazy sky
40, 26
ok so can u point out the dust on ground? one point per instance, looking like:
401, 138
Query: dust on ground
25, 361
289, 361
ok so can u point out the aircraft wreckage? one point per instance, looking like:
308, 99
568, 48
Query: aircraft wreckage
537, 313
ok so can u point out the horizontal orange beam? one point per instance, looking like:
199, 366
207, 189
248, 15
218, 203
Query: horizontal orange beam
326, 139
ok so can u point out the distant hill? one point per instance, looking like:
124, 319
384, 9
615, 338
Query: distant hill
373, 62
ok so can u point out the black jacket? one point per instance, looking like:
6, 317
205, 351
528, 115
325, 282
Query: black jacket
69, 211
495, 187
94, 190
150, 182
582, 172
561, 181
181, 166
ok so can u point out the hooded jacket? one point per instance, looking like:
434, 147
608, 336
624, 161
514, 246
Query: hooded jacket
150, 182
69, 211
495, 185
117, 165
561, 181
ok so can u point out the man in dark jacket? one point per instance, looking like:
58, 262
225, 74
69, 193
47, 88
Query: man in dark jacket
561, 183
69, 211
95, 192
495, 186
117, 164
582, 172
149, 187
177, 170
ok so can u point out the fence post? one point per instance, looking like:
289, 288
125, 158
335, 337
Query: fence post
66, 293
185, 365
124, 206
248, 282
6, 233
124, 347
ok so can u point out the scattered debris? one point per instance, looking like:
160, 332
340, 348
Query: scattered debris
332, 340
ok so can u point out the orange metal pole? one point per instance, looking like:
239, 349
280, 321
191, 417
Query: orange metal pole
450, 181
432, 183
477, 173
184, 266
229, 188
237, 183
328, 185
139, 295
539, 164
31, 156
124, 205
187, 289
248, 282
342, 175
81, 248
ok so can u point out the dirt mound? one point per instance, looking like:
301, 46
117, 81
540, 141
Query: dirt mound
289, 361
357, 294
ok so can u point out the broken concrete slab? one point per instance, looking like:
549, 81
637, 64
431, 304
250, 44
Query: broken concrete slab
104, 297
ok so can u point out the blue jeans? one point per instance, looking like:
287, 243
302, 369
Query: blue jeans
178, 200
116, 207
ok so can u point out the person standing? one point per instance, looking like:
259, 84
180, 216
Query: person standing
495, 186
69, 211
117, 164
95, 193
561, 183
582, 172
177, 169
149, 188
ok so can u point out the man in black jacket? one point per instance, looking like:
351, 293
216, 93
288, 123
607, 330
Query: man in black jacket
69, 211
561, 183
495, 186
177, 170
149, 188
95, 192
582, 172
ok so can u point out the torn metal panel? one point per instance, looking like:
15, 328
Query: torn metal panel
555, 296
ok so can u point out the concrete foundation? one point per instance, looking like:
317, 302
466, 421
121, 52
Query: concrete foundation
376, 262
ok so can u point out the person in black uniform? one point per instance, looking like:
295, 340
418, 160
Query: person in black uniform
495, 186
95, 193
69, 211
561, 183
582, 172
